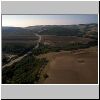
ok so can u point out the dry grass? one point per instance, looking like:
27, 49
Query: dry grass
63, 40
75, 67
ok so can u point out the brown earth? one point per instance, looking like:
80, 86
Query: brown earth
63, 40
73, 67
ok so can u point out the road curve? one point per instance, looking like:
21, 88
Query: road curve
39, 40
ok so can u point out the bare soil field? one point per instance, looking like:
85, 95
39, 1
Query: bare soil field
72, 67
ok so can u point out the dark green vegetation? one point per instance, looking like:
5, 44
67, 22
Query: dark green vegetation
25, 71
18, 49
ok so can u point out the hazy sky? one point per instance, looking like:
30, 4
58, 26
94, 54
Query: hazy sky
31, 20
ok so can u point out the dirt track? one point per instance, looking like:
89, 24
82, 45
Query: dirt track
77, 67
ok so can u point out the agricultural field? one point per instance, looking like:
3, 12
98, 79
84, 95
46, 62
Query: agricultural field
18, 41
63, 40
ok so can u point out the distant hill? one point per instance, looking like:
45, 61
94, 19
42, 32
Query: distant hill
55, 29
7, 31
60, 30
67, 30
85, 30
35, 28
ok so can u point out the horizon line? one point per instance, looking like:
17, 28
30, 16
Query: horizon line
50, 25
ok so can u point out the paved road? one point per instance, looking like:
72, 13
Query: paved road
21, 57
39, 40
